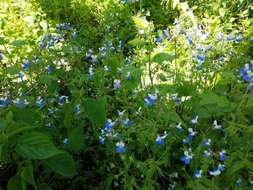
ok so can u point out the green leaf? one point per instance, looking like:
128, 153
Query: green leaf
175, 3
137, 42
16, 183
161, 57
44, 187
62, 164
95, 110
36, 145
27, 175
76, 139
222, 12
18, 43
3, 41
13, 70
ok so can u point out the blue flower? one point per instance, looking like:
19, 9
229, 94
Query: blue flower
191, 134
127, 122
4, 102
198, 174
179, 127
62, 100
216, 126
65, 141
90, 73
246, 72
160, 139
201, 58
239, 39
222, 155
150, 99
21, 76
190, 41
167, 34
208, 153
129, 76
187, 157
17, 102
49, 69
194, 120
251, 39
93, 58
159, 39
251, 184
217, 171
78, 109
108, 125
26, 64
231, 38
41, 103
120, 147
117, 84
207, 142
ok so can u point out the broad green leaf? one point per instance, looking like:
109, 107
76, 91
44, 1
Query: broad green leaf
18, 43
161, 57
95, 110
62, 164
16, 183
137, 42
76, 139
27, 175
13, 70
222, 12
36, 145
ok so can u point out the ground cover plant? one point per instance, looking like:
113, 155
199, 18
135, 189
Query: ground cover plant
133, 94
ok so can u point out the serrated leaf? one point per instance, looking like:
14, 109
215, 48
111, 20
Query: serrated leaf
62, 164
36, 145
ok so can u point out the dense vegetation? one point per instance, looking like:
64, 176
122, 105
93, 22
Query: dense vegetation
133, 94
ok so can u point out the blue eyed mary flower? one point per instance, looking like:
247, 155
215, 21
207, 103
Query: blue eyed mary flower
116, 84
218, 170
120, 147
17, 103
194, 120
129, 76
201, 58
179, 127
49, 69
26, 64
198, 174
251, 183
4, 102
78, 109
90, 72
208, 153
251, 39
222, 155
65, 141
191, 134
207, 142
41, 103
187, 157
127, 122
108, 125
160, 139
216, 126
93, 58
62, 100
150, 99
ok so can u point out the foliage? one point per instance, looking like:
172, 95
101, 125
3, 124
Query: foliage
131, 94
